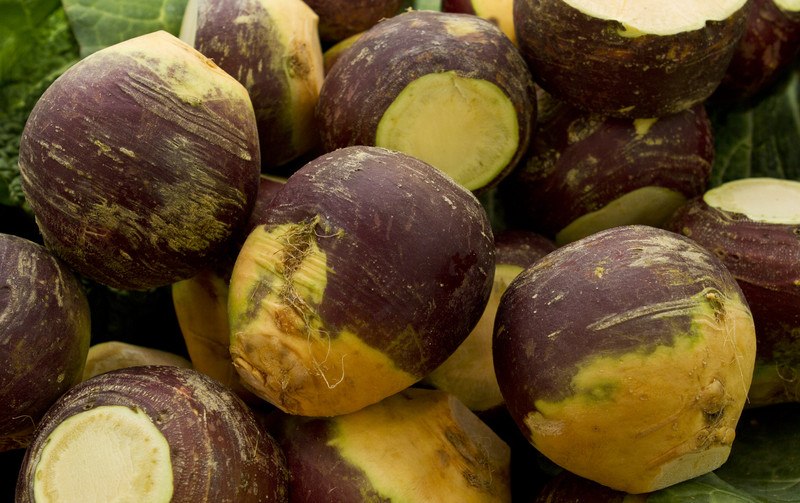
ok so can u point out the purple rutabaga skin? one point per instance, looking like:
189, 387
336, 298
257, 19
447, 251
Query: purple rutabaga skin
245, 39
587, 61
434, 448
634, 343
339, 19
520, 247
218, 450
765, 260
460, 6
140, 162
413, 265
766, 51
318, 470
563, 308
384, 60
44, 335
580, 162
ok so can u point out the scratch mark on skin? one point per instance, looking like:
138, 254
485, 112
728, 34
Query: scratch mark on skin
678, 307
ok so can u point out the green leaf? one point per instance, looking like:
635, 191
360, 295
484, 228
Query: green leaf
101, 23
16, 14
762, 139
428, 5
765, 458
708, 488
18, 21
36, 48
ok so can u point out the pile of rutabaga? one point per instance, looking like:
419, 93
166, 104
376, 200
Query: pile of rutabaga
467, 250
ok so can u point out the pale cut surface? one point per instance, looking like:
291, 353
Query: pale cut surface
188, 29
109, 454
465, 127
790, 5
657, 17
646, 206
767, 200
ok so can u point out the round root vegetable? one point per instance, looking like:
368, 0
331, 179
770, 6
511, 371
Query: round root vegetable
44, 336
155, 434
768, 48
112, 355
272, 47
585, 172
332, 54
453, 92
140, 162
499, 12
371, 269
633, 59
201, 306
468, 373
753, 226
339, 19
626, 357
416, 446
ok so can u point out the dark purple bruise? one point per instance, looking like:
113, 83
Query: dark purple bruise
410, 274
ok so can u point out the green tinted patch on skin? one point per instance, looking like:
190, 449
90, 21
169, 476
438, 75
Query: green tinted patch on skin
282, 348
643, 420
646, 206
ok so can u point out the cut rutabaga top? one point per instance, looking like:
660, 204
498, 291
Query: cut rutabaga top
657, 17
787, 5
768, 200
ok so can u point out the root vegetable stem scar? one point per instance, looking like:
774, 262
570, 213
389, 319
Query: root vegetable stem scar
298, 245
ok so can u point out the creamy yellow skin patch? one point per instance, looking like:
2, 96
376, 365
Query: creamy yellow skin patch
469, 372
642, 421
202, 311
282, 348
108, 454
500, 12
422, 445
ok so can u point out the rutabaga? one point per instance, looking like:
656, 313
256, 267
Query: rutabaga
626, 357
